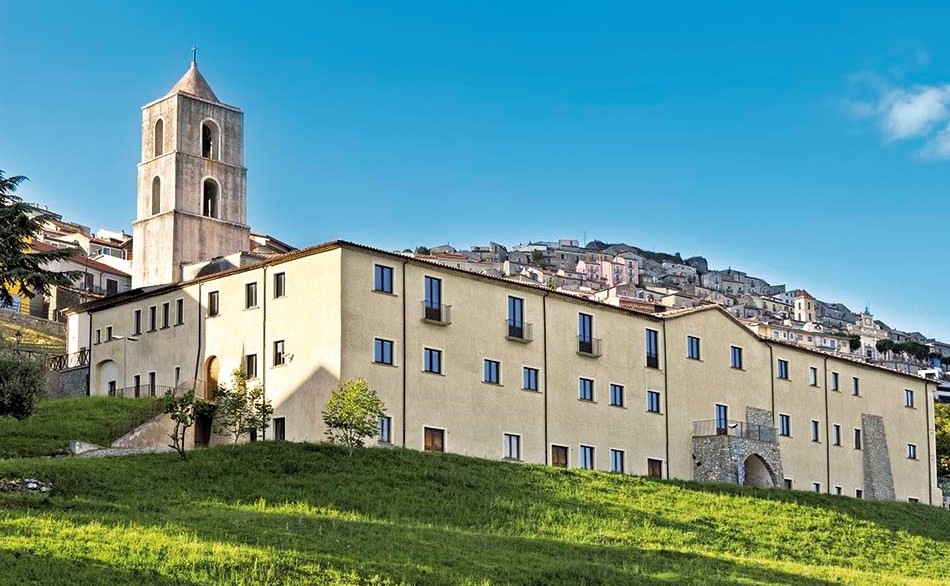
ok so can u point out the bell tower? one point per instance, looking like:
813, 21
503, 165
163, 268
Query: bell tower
192, 184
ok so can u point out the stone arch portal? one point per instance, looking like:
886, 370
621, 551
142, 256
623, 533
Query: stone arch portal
758, 473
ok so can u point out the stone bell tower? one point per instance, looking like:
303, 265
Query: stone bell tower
192, 184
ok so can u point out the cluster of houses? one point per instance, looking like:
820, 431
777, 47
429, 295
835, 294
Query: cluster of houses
633, 278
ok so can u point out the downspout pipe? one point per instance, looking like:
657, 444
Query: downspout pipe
544, 344
666, 397
405, 366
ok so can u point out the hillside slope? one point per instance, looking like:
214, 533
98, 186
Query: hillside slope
284, 513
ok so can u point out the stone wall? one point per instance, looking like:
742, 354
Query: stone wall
72, 382
723, 458
47, 327
878, 478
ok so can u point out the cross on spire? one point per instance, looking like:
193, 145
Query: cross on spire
194, 54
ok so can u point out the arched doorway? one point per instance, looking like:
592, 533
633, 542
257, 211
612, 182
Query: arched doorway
758, 473
108, 372
214, 369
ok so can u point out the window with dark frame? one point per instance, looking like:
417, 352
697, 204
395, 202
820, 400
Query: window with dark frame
136, 322
559, 456
616, 461
280, 429
815, 430
108, 333
857, 438
735, 356
654, 468
432, 360
585, 333
516, 318
250, 295
433, 299
911, 451
384, 430
653, 401
166, 314
692, 347
652, 348
784, 425
213, 304
855, 386
782, 368
382, 351
908, 398
512, 446
280, 285
434, 439
722, 419
616, 395
586, 457
585, 389
383, 279
836, 434
813, 376
179, 312
492, 372
152, 318
250, 365
529, 380
279, 352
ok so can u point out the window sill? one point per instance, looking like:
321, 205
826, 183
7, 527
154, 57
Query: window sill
387, 293
617, 405
587, 401
252, 308
281, 365
694, 359
737, 368
179, 324
531, 390
384, 364
654, 412
433, 372
491, 384
512, 460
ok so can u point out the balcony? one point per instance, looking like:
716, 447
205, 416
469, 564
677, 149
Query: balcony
518, 331
589, 346
437, 314
737, 429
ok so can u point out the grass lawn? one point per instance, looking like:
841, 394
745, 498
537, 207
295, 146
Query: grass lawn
285, 513
49, 430
33, 339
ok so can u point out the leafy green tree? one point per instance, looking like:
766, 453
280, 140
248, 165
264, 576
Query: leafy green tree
915, 349
537, 257
945, 360
942, 429
22, 381
21, 271
184, 410
422, 250
241, 408
854, 342
352, 413
886, 345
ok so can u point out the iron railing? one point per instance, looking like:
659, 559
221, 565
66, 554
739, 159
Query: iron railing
72, 360
518, 331
141, 391
728, 427
588, 346
436, 313
140, 416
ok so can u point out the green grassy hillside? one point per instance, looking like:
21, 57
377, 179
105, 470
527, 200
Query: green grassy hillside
284, 513
49, 430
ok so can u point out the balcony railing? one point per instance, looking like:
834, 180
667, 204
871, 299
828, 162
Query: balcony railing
588, 346
518, 331
738, 429
436, 313
66, 361
141, 391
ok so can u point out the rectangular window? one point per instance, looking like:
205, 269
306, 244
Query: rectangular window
280, 285
815, 431
855, 386
908, 398
280, 429
279, 350
136, 322
652, 344
250, 365
616, 461
433, 299
816, 487
858, 493
151, 384
783, 368
838, 490
586, 457
152, 318
250, 295
177, 375
585, 389
137, 385
98, 336
559, 456
722, 419
654, 468
108, 333
735, 355
912, 451
432, 360
179, 312
653, 401
857, 438
516, 318
784, 425
166, 315
492, 372
512, 448
382, 351
434, 439
529, 379
834, 382
585, 333
836, 434
813, 376
616, 395
789, 483
692, 347
384, 279
383, 430
213, 306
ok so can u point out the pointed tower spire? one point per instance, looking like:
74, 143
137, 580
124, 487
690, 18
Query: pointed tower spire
193, 83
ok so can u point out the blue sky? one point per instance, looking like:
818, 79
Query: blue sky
805, 144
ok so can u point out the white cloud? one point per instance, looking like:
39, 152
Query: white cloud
939, 146
913, 113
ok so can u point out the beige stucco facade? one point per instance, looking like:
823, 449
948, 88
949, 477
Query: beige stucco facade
330, 316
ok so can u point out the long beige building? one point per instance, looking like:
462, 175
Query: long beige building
487, 367
474, 364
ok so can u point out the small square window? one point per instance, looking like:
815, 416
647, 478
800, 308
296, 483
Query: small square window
654, 468
692, 347
382, 351
586, 457
653, 402
816, 487
585, 389
616, 461
384, 279
434, 439
529, 379
512, 448
384, 430
280, 285
432, 360
492, 372
616, 395
858, 493
838, 490
735, 356
783, 369
559, 456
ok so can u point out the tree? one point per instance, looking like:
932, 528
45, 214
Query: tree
422, 250
942, 429
854, 342
915, 349
352, 413
21, 271
885, 345
22, 381
240, 408
183, 410
537, 257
